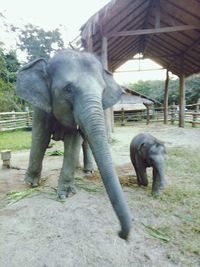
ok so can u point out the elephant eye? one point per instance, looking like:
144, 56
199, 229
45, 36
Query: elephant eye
68, 88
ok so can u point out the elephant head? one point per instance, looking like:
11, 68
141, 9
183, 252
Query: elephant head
75, 88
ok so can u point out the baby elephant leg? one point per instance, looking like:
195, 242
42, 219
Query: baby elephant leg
141, 172
71, 154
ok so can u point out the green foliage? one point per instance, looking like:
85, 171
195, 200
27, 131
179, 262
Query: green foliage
193, 89
12, 63
15, 196
155, 89
55, 153
37, 42
8, 68
15, 140
156, 233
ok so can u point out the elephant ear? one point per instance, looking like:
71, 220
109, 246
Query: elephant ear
32, 84
112, 92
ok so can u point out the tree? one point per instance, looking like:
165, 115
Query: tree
155, 89
37, 42
193, 89
8, 68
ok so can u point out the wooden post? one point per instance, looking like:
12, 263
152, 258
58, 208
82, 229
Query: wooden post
197, 106
90, 44
122, 117
104, 52
181, 100
194, 119
14, 119
107, 112
6, 156
27, 116
173, 113
148, 113
166, 96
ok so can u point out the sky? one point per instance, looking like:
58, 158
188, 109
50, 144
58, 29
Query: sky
69, 16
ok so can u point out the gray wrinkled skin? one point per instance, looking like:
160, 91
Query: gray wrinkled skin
147, 151
69, 92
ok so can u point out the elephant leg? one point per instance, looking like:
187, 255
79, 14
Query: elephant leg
40, 140
141, 171
136, 171
71, 154
156, 183
133, 160
87, 158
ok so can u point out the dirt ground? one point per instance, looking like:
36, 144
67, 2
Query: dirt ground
39, 231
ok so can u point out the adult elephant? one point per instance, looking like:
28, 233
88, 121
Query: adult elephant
68, 94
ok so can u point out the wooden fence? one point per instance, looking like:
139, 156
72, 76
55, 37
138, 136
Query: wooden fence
123, 117
19, 120
15, 120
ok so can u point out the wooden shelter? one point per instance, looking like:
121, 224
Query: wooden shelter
133, 105
133, 100
165, 31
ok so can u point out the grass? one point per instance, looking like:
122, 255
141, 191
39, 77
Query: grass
89, 186
15, 140
173, 219
55, 153
15, 196
156, 233
179, 204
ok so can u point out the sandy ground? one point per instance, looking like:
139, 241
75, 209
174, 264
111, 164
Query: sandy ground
41, 231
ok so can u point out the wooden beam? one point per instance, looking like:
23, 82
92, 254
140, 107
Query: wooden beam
166, 96
155, 30
190, 47
107, 112
145, 24
104, 52
157, 14
181, 100
90, 44
137, 70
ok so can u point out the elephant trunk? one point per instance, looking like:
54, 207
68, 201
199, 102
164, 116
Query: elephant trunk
161, 173
158, 176
91, 122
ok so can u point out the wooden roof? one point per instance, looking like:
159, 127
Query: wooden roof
166, 31
136, 96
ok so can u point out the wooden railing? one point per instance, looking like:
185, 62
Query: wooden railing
18, 120
192, 115
15, 120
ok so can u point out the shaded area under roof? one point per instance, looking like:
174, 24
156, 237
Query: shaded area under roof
165, 31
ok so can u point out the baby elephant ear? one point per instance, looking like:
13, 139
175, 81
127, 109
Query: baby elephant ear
32, 84
112, 92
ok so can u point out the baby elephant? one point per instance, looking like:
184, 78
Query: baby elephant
147, 151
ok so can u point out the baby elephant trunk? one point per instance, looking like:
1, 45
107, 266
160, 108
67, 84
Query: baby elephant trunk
158, 175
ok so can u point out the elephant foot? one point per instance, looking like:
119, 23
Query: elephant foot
155, 193
66, 191
162, 185
32, 181
142, 183
88, 172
